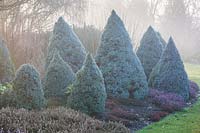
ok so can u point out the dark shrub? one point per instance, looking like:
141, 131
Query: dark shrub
167, 101
194, 89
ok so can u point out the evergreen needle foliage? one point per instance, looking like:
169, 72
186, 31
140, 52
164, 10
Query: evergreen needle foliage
88, 92
163, 42
123, 73
169, 74
58, 77
150, 50
28, 89
68, 44
7, 71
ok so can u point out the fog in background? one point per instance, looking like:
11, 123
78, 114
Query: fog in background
176, 18
26, 25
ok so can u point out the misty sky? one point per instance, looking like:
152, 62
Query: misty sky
99, 10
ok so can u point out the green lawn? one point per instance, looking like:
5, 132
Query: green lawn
193, 72
186, 121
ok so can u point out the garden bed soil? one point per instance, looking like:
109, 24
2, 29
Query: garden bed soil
134, 114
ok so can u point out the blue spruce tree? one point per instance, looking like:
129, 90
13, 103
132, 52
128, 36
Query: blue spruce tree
28, 89
7, 71
123, 73
169, 74
58, 77
68, 44
163, 42
150, 50
88, 92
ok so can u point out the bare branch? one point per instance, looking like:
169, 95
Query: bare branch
9, 4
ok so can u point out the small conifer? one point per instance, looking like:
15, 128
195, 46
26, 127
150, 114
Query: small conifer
88, 92
169, 74
28, 89
68, 44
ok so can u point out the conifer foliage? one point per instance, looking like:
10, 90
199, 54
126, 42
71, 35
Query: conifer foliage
28, 89
68, 44
169, 74
6, 66
121, 68
150, 50
163, 42
58, 77
88, 92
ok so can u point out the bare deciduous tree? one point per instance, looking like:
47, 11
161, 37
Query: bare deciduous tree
9, 4
25, 25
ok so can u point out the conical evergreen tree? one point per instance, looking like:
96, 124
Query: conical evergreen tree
58, 77
6, 66
123, 73
163, 42
88, 92
68, 44
150, 50
169, 74
28, 89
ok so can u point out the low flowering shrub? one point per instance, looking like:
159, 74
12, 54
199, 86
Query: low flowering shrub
53, 121
194, 89
169, 102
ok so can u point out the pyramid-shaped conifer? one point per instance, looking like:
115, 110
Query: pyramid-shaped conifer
68, 44
58, 77
150, 50
88, 91
123, 73
7, 70
169, 74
